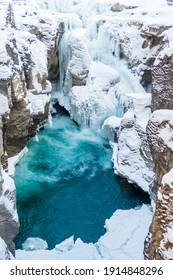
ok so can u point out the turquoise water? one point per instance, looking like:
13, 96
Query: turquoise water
66, 185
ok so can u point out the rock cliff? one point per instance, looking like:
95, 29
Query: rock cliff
26, 54
131, 154
159, 243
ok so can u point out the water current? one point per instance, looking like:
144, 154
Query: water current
66, 185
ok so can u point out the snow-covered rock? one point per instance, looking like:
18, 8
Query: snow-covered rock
158, 244
28, 70
33, 244
91, 104
131, 154
24, 103
4, 252
141, 107
8, 215
137, 34
80, 61
110, 128
162, 76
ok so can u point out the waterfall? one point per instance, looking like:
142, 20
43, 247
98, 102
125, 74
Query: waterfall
72, 21
49, 120
36, 138
64, 55
117, 47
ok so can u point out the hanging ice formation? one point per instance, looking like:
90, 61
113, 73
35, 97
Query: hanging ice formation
117, 47
94, 101
64, 57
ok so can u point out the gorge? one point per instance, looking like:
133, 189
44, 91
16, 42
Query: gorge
113, 62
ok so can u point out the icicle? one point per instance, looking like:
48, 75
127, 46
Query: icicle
49, 120
63, 52
117, 47
36, 139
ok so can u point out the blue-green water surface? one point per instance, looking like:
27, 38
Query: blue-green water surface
66, 185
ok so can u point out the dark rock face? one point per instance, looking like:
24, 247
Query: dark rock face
17, 130
161, 153
162, 89
53, 61
158, 244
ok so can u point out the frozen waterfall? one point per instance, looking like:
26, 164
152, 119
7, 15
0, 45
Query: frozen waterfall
89, 99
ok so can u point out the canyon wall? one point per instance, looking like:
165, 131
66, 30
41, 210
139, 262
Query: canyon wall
27, 53
142, 152
159, 244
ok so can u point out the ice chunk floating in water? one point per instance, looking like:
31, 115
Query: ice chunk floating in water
66, 185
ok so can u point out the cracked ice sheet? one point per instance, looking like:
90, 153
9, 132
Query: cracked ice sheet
124, 239
126, 232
